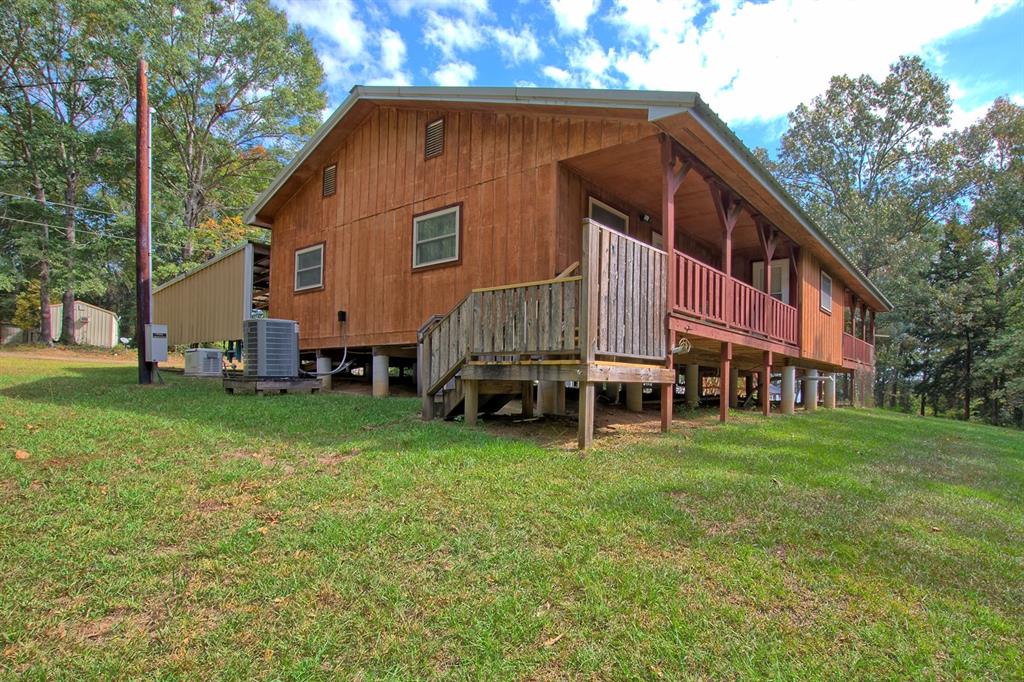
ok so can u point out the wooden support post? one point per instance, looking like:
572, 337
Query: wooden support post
830, 391
635, 397
693, 387
471, 400
423, 369
381, 379
588, 329
527, 400
586, 416
749, 385
671, 178
765, 386
724, 383
546, 397
811, 390
788, 389
734, 387
560, 397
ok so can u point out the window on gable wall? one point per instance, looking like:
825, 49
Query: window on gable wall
611, 218
309, 268
826, 292
435, 237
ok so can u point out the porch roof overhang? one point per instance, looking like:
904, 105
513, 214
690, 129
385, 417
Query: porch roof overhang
683, 115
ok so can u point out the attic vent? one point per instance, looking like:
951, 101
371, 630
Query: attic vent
434, 145
330, 180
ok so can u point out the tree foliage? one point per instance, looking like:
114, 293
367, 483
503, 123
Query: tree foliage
934, 217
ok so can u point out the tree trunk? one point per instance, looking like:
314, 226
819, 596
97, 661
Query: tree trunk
67, 328
967, 380
44, 292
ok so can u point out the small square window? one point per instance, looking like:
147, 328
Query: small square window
826, 292
435, 237
309, 268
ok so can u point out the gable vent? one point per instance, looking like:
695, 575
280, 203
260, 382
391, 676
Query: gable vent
330, 180
434, 144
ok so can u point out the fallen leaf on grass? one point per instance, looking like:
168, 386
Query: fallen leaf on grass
31, 427
21, 454
936, 529
553, 641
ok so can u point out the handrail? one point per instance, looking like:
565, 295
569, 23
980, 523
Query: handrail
857, 350
553, 280
703, 292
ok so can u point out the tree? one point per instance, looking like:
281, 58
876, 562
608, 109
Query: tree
865, 161
59, 89
26, 307
234, 91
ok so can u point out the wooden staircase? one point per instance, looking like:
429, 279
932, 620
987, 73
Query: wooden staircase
605, 325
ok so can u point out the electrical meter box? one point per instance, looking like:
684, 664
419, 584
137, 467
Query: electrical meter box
156, 343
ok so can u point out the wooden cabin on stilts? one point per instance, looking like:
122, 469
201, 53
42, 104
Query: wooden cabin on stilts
512, 242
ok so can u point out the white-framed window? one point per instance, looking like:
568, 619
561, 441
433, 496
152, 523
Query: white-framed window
435, 237
826, 292
309, 267
611, 218
780, 277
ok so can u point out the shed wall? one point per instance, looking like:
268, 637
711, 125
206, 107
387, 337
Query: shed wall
93, 326
206, 306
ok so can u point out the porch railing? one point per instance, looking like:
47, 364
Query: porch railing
858, 350
708, 294
531, 318
627, 279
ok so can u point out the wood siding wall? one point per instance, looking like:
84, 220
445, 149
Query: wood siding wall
206, 306
574, 192
821, 333
502, 169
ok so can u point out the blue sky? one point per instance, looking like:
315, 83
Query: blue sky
752, 61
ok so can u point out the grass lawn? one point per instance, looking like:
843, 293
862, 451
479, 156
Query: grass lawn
176, 531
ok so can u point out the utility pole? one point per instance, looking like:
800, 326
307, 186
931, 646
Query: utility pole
143, 284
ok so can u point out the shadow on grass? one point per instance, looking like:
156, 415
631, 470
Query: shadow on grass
321, 421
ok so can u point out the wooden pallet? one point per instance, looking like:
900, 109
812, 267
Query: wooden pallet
271, 386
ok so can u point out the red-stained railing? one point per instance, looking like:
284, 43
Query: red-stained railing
858, 350
707, 293
700, 289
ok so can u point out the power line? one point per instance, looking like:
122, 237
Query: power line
57, 203
39, 84
81, 229
82, 208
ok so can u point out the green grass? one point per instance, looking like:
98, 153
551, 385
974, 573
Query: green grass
179, 532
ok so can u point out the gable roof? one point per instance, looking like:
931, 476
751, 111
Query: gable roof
657, 105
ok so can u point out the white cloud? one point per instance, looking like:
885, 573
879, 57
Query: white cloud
451, 34
336, 20
590, 63
572, 15
455, 73
559, 76
757, 61
516, 47
404, 7
392, 50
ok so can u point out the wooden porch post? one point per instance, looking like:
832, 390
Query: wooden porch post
734, 387
588, 332
767, 235
423, 366
693, 388
724, 383
727, 207
764, 390
527, 400
671, 179
471, 400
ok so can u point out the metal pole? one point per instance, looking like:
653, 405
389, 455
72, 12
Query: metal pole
142, 252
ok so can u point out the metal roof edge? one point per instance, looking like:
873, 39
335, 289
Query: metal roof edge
704, 115
205, 264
